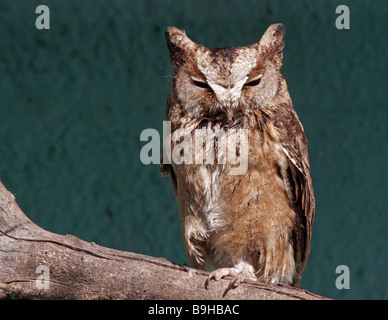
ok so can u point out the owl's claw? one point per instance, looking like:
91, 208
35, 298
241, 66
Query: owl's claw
237, 274
221, 273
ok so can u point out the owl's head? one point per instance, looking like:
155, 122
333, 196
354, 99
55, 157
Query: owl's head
225, 80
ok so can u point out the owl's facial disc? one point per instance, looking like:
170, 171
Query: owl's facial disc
227, 95
226, 73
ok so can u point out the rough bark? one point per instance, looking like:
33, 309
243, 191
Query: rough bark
76, 269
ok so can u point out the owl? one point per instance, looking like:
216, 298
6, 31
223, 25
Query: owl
248, 224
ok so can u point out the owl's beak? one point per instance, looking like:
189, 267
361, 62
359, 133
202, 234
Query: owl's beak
230, 114
228, 95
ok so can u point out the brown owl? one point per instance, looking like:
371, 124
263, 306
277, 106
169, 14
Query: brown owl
253, 224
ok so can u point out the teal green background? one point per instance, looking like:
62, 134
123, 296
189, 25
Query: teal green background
74, 100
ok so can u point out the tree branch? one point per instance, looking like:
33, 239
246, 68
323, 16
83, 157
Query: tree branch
35, 263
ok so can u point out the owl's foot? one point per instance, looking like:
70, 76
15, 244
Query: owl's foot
240, 272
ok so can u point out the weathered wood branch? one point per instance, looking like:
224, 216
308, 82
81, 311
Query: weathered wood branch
75, 269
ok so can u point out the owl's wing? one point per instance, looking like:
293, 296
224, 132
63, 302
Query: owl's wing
298, 180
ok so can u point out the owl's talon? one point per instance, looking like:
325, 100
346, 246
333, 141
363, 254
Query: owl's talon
221, 273
236, 281
237, 274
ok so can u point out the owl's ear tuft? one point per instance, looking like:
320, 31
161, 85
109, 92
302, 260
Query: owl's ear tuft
174, 34
273, 37
272, 42
179, 45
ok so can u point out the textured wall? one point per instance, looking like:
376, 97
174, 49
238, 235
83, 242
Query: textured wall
74, 100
